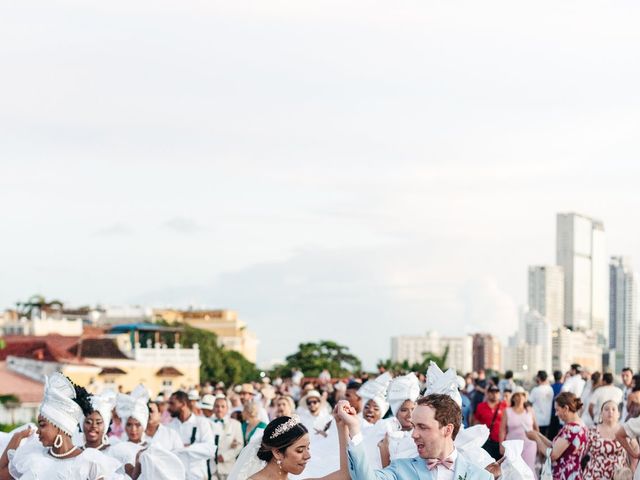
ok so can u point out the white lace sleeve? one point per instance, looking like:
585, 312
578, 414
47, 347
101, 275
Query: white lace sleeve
248, 462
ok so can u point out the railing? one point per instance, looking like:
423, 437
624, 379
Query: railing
163, 354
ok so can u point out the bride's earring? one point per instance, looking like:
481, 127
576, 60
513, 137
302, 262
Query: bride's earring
57, 443
279, 462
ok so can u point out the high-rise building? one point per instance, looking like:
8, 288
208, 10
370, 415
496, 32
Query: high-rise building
546, 293
487, 352
624, 331
411, 348
575, 347
580, 251
529, 350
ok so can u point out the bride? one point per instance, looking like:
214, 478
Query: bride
282, 448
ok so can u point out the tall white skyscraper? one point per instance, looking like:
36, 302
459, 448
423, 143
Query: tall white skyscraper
546, 293
581, 252
624, 330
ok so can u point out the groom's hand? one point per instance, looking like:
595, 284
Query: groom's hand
348, 415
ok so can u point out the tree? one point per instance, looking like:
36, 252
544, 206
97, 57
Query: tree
404, 366
38, 304
217, 363
311, 358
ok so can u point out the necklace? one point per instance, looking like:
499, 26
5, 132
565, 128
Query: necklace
62, 455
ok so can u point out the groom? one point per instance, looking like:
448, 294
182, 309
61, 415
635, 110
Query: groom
436, 422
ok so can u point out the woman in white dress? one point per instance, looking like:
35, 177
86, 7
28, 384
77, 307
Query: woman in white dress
52, 455
282, 449
140, 459
402, 395
374, 395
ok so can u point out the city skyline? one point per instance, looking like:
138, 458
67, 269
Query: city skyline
329, 171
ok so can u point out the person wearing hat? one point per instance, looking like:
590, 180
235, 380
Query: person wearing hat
313, 414
247, 394
490, 413
194, 399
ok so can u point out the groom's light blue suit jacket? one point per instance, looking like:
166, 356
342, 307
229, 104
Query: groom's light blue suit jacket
408, 468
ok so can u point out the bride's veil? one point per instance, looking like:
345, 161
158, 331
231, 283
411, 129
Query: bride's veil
248, 462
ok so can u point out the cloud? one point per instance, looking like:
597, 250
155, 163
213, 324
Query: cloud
182, 225
115, 230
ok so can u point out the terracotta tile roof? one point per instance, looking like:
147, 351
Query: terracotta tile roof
112, 371
169, 372
49, 348
27, 390
97, 348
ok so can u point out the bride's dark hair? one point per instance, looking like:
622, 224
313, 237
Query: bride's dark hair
279, 439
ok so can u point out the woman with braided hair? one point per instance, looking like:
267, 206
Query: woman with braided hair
52, 454
282, 449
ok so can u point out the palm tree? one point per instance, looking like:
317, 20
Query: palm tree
38, 304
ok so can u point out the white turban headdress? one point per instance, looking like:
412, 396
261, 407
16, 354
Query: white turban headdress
104, 404
401, 389
58, 405
134, 405
444, 383
376, 390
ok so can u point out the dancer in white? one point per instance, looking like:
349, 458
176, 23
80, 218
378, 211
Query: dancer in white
402, 395
52, 454
140, 459
282, 449
374, 395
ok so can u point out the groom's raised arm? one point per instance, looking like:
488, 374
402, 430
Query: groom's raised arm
359, 466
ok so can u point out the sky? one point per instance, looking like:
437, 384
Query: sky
330, 170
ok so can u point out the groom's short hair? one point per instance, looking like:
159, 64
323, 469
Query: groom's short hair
447, 410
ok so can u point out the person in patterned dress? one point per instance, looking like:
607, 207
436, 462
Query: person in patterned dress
606, 454
568, 447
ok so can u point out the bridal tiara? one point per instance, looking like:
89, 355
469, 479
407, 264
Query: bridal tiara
285, 427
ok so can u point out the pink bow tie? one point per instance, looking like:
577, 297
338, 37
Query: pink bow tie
434, 462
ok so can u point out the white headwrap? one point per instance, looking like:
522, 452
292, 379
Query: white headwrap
58, 406
376, 390
134, 405
406, 387
104, 404
444, 383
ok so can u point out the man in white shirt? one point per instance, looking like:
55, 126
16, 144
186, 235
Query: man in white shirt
314, 414
627, 377
195, 434
574, 383
541, 398
604, 394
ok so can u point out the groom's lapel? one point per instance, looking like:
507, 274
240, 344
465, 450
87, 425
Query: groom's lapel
420, 466
460, 468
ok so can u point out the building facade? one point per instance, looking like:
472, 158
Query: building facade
575, 347
487, 352
546, 292
624, 331
581, 252
232, 332
411, 348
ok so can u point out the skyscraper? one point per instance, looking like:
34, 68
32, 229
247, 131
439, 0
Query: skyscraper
546, 293
580, 251
623, 313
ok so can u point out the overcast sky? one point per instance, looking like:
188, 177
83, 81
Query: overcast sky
344, 170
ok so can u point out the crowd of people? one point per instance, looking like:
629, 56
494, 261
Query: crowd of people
571, 426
